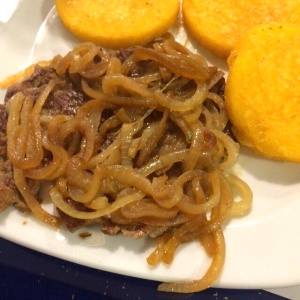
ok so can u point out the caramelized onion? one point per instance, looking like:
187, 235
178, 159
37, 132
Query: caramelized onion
179, 65
145, 146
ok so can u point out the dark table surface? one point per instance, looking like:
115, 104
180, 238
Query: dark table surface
27, 274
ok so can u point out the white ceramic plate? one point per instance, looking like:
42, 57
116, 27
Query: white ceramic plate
262, 248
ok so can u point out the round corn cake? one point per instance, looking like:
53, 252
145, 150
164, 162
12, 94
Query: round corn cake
262, 94
219, 24
117, 24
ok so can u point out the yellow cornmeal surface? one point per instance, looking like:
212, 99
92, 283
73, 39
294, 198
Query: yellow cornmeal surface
219, 24
262, 93
116, 23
